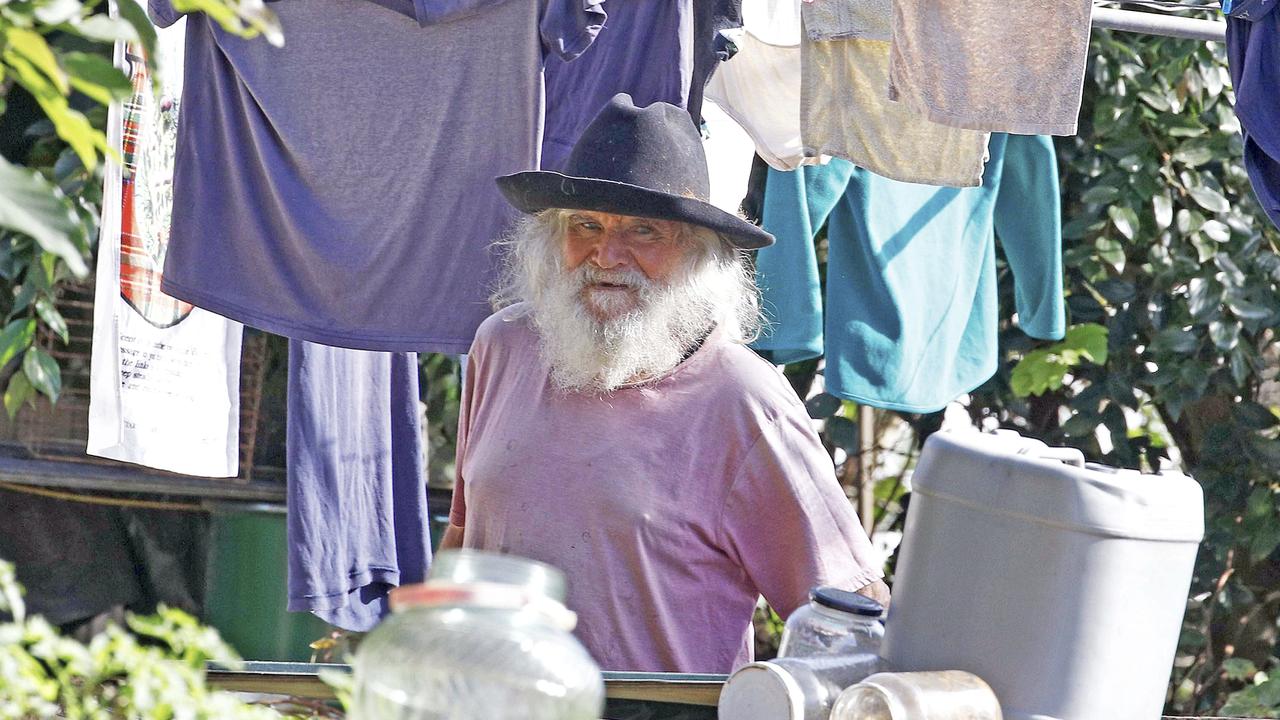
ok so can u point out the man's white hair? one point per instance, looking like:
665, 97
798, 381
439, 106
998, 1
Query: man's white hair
715, 288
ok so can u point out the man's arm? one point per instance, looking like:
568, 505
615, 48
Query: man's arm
452, 539
788, 523
877, 590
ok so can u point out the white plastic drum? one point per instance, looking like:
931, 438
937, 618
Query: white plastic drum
1062, 585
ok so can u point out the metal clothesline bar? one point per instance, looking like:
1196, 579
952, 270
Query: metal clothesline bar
1158, 24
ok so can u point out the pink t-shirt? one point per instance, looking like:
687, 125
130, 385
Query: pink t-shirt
670, 506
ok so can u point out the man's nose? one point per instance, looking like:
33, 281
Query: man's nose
610, 252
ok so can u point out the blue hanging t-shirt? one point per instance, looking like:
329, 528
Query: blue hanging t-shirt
644, 49
1253, 57
911, 315
339, 189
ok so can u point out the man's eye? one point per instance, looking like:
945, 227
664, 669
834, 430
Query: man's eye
588, 225
643, 230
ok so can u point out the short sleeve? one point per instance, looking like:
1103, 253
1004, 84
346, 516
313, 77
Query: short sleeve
162, 13
458, 506
568, 27
788, 523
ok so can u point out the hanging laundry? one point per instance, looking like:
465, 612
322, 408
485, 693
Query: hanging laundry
715, 23
911, 298
846, 111
729, 154
844, 19
988, 65
357, 523
760, 86
728, 158
165, 377
339, 189
644, 50
1253, 56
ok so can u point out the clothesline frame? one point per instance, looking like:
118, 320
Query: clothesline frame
1150, 23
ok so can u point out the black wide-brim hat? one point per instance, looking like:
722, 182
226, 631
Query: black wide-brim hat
647, 162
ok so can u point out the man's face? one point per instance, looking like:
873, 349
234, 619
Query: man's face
618, 255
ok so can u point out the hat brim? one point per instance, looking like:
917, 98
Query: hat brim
537, 190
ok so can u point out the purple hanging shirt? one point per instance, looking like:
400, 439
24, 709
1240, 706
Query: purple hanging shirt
645, 50
357, 523
340, 189
1253, 55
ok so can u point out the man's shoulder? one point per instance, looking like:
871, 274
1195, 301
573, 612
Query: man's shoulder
507, 326
745, 377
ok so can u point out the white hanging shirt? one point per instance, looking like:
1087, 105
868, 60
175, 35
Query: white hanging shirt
759, 87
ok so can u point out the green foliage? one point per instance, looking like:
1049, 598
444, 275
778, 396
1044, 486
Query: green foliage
1166, 247
155, 672
440, 375
1258, 700
56, 70
1045, 369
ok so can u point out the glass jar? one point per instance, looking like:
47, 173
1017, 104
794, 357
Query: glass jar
792, 688
486, 636
943, 695
835, 622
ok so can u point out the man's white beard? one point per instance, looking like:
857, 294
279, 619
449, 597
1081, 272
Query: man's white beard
599, 341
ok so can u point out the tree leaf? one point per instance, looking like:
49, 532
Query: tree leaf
247, 19
43, 372
30, 46
1265, 538
1193, 154
1115, 290
1162, 208
51, 317
1219, 232
1224, 335
1111, 252
1240, 366
1204, 296
1090, 339
1189, 221
56, 12
18, 391
1246, 310
1080, 425
1125, 220
1100, 194
30, 204
843, 433
131, 12
96, 77
1254, 416
822, 405
1038, 371
1155, 99
1209, 199
1239, 669
104, 28
71, 125
1176, 340
15, 338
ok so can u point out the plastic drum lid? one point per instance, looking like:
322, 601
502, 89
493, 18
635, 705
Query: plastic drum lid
761, 691
1006, 474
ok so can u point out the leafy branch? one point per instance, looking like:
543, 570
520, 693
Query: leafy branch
58, 53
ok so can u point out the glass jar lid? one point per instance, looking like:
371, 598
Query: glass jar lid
846, 601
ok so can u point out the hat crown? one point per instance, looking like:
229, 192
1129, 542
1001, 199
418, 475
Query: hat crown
655, 147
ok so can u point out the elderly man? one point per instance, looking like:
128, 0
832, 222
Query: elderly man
615, 425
